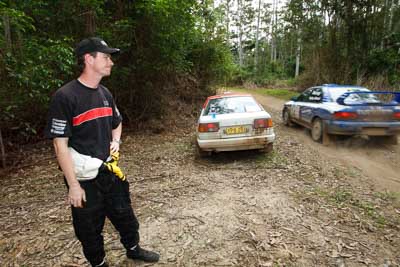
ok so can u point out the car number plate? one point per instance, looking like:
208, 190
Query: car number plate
236, 130
374, 131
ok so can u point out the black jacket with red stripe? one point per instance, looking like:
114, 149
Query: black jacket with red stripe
86, 116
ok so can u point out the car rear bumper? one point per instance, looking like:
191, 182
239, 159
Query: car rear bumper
238, 143
362, 128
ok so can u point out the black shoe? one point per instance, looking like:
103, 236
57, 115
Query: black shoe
104, 264
141, 254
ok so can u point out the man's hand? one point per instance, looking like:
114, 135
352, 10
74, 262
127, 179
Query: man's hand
116, 139
114, 146
76, 196
112, 166
115, 157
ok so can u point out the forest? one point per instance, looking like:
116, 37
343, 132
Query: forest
175, 52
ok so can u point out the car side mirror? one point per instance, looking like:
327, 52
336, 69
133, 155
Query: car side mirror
294, 98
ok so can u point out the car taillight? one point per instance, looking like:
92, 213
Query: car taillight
208, 127
396, 115
344, 115
262, 123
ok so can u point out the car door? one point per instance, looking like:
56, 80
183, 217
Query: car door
311, 106
297, 108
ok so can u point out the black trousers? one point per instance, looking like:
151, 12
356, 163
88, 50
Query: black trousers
106, 196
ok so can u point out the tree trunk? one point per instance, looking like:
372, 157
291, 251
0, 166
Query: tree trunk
227, 21
240, 34
273, 34
298, 54
119, 13
386, 20
257, 32
90, 22
333, 45
2, 152
7, 32
392, 10
365, 37
350, 29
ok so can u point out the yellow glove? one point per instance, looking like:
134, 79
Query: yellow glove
115, 156
112, 166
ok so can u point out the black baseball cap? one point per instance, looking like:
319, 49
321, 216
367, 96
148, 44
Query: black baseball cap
94, 44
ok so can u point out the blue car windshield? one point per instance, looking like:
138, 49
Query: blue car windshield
226, 105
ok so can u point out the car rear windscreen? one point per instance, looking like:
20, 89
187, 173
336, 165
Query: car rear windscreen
336, 92
227, 105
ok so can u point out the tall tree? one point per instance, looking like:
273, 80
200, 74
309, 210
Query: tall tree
274, 27
298, 54
227, 19
7, 32
243, 21
394, 4
240, 21
257, 37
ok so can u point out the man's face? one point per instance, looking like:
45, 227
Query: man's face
101, 63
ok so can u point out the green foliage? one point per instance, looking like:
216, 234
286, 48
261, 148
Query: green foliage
341, 196
20, 21
240, 75
345, 42
289, 66
285, 94
38, 68
384, 61
279, 93
214, 63
165, 53
267, 75
168, 41
170, 50
30, 69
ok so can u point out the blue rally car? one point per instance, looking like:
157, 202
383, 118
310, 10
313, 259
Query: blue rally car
331, 109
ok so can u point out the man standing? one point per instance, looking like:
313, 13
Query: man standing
86, 127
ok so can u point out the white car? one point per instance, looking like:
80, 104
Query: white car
233, 121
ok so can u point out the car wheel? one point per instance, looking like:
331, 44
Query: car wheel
201, 153
389, 140
393, 139
286, 118
317, 130
268, 148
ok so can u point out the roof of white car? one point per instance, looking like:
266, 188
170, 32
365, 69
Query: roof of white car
228, 94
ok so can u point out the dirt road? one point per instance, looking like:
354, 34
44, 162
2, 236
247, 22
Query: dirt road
302, 205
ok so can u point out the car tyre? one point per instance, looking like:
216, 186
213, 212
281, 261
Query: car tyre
286, 118
389, 140
319, 133
268, 148
317, 130
201, 153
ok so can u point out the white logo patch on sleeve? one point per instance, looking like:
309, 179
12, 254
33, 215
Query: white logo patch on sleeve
58, 126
